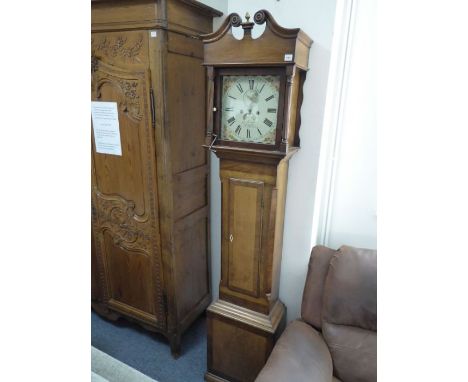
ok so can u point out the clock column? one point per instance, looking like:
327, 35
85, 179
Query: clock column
248, 317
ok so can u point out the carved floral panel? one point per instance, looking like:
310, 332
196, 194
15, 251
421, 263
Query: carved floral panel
120, 47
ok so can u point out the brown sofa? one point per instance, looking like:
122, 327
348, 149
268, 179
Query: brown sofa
336, 339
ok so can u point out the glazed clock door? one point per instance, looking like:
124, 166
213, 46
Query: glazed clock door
125, 216
249, 104
250, 108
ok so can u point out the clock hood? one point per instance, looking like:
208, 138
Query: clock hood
277, 46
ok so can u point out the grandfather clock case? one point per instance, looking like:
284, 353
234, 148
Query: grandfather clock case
150, 243
254, 95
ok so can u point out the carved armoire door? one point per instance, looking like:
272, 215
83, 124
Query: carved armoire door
124, 193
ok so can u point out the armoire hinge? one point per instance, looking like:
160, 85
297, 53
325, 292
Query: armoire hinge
153, 116
164, 297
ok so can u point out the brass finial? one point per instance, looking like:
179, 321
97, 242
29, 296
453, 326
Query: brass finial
247, 25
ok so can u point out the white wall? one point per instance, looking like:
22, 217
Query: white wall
220, 5
349, 145
315, 17
215, 186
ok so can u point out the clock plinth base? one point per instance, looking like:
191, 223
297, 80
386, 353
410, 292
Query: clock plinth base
240, 340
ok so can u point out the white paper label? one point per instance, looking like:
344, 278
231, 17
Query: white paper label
153, 33
288, 57
105, 118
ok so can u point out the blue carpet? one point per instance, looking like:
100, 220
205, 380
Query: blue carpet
149, 352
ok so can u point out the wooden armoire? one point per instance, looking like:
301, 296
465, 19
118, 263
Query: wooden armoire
150, 228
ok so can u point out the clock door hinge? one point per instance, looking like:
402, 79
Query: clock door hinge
153, 115
212, 143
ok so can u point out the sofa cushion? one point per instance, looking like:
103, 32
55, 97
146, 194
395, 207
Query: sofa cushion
354, 352
349, 314
311, 309
299, 355
350, 294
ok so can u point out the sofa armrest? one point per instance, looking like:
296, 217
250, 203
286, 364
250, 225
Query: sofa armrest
299, 355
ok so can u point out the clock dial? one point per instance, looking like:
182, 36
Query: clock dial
250, 108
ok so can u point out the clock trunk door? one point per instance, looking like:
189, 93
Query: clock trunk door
243, 232
244, 235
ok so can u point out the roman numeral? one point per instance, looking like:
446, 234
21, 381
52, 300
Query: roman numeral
270, 97
239, 87
259, 131
251, 84
230, 96
272, 110
248, 133
231, 120
238, 130
267, 122
231, 109
260, 90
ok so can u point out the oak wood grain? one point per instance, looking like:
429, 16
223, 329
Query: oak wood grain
150, 245
248, 317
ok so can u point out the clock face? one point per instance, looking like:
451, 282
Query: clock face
250, 108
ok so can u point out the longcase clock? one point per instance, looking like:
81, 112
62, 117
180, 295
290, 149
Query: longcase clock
254, 95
